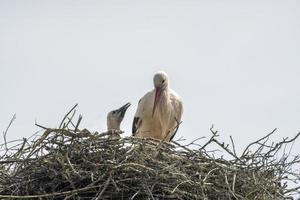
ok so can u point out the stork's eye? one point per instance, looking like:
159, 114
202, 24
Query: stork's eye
114, 112
163, 81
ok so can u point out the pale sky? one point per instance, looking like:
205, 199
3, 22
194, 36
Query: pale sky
236, 64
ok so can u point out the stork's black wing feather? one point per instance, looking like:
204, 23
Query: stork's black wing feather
135, 124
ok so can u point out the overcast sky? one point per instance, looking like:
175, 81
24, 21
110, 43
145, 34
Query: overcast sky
236, 64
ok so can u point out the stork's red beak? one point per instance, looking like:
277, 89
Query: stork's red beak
156, 100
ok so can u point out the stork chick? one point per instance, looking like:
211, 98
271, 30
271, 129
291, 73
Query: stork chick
114, 119
159, 111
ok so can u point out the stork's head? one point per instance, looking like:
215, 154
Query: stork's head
115, 117
161, 82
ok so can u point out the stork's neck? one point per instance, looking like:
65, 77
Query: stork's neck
165, 97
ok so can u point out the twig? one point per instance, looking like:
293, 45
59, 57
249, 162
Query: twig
104, 188
5, 132
78, 122
232, 143
48, 195
255, 142
215, 134
60, 126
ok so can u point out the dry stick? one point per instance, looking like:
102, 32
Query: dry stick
78, 122
212, 139
184, 147
207, 175
38, 125
67, 115
104, 188
193, 142
262, 146
227, 150
215, 134
255, 142
135, 195
15, 161
48, 195
291, 147
233, 183
285, 141
149, 191
296, 189
174, 132
176, 127
5, 132
70, 119
233, 147
70, 164
230, 190
12, 141
71, 122
20, 150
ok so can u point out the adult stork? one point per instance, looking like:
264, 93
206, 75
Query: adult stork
114, 119
159, 111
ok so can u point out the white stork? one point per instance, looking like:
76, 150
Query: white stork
114, 119
159, 111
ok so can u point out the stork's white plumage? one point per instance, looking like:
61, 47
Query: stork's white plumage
158, 112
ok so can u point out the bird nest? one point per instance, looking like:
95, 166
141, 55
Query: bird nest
68, 163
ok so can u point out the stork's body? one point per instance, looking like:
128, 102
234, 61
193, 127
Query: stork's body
159, 111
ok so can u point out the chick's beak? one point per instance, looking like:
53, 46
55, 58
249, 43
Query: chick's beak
123, 109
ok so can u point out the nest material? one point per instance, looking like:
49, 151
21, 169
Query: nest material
66, 163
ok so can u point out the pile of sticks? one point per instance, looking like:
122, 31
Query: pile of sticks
68, 163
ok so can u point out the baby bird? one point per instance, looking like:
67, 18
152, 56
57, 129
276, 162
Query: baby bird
114, 119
